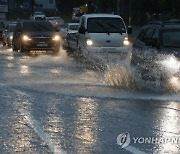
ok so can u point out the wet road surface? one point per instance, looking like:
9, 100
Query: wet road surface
56, 104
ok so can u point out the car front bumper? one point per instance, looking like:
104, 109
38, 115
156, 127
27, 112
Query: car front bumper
41, 46
107, 53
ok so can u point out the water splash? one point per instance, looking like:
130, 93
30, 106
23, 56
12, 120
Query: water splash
170, 69
158, 77
121, 74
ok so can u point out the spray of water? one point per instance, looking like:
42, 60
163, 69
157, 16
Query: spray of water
170, 67
121, 74
163, 73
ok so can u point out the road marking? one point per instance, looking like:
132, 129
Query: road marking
134, 150
44, 136
36, 127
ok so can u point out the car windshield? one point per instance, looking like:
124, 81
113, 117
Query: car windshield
58, 18
12, 28
105, 25
38, 27
171, 38
73, 27
39, 18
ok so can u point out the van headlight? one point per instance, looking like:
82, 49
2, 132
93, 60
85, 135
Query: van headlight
56, 38
126, 41
26, 38
89, 42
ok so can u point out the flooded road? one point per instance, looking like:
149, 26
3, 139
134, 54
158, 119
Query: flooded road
58, 104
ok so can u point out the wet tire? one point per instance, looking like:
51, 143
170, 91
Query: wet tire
4, 44
14, 48
22, 48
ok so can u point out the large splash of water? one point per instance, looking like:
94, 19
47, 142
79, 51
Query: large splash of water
170, 68
123, 75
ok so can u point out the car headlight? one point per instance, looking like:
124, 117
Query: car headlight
11, 37
126, 41
56, 38
89, 42
26, 38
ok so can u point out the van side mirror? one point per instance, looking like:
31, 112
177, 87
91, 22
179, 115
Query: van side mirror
82, 30
129, 30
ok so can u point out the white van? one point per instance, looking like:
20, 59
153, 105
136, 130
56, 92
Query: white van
101, 34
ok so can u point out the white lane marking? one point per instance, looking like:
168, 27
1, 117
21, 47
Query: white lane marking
44, 136
134, 150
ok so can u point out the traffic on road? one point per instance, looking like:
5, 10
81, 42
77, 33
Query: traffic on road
103, 96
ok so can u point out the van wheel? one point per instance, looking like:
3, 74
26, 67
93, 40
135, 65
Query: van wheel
14, 48
21, 48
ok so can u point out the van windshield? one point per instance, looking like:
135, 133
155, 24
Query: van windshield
105, 25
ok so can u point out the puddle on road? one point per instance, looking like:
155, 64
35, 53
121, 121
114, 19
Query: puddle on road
61, 58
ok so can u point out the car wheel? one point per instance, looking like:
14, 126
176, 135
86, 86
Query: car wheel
8, 42
9, 45
14, 47
4, 44
21, 48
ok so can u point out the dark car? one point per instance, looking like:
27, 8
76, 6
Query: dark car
36, 35
2, 28
157, 42
8, 34
55, 21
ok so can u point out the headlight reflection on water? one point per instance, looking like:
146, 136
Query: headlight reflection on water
167, 123
24, 69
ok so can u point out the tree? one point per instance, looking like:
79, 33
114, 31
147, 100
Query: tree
67, 5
